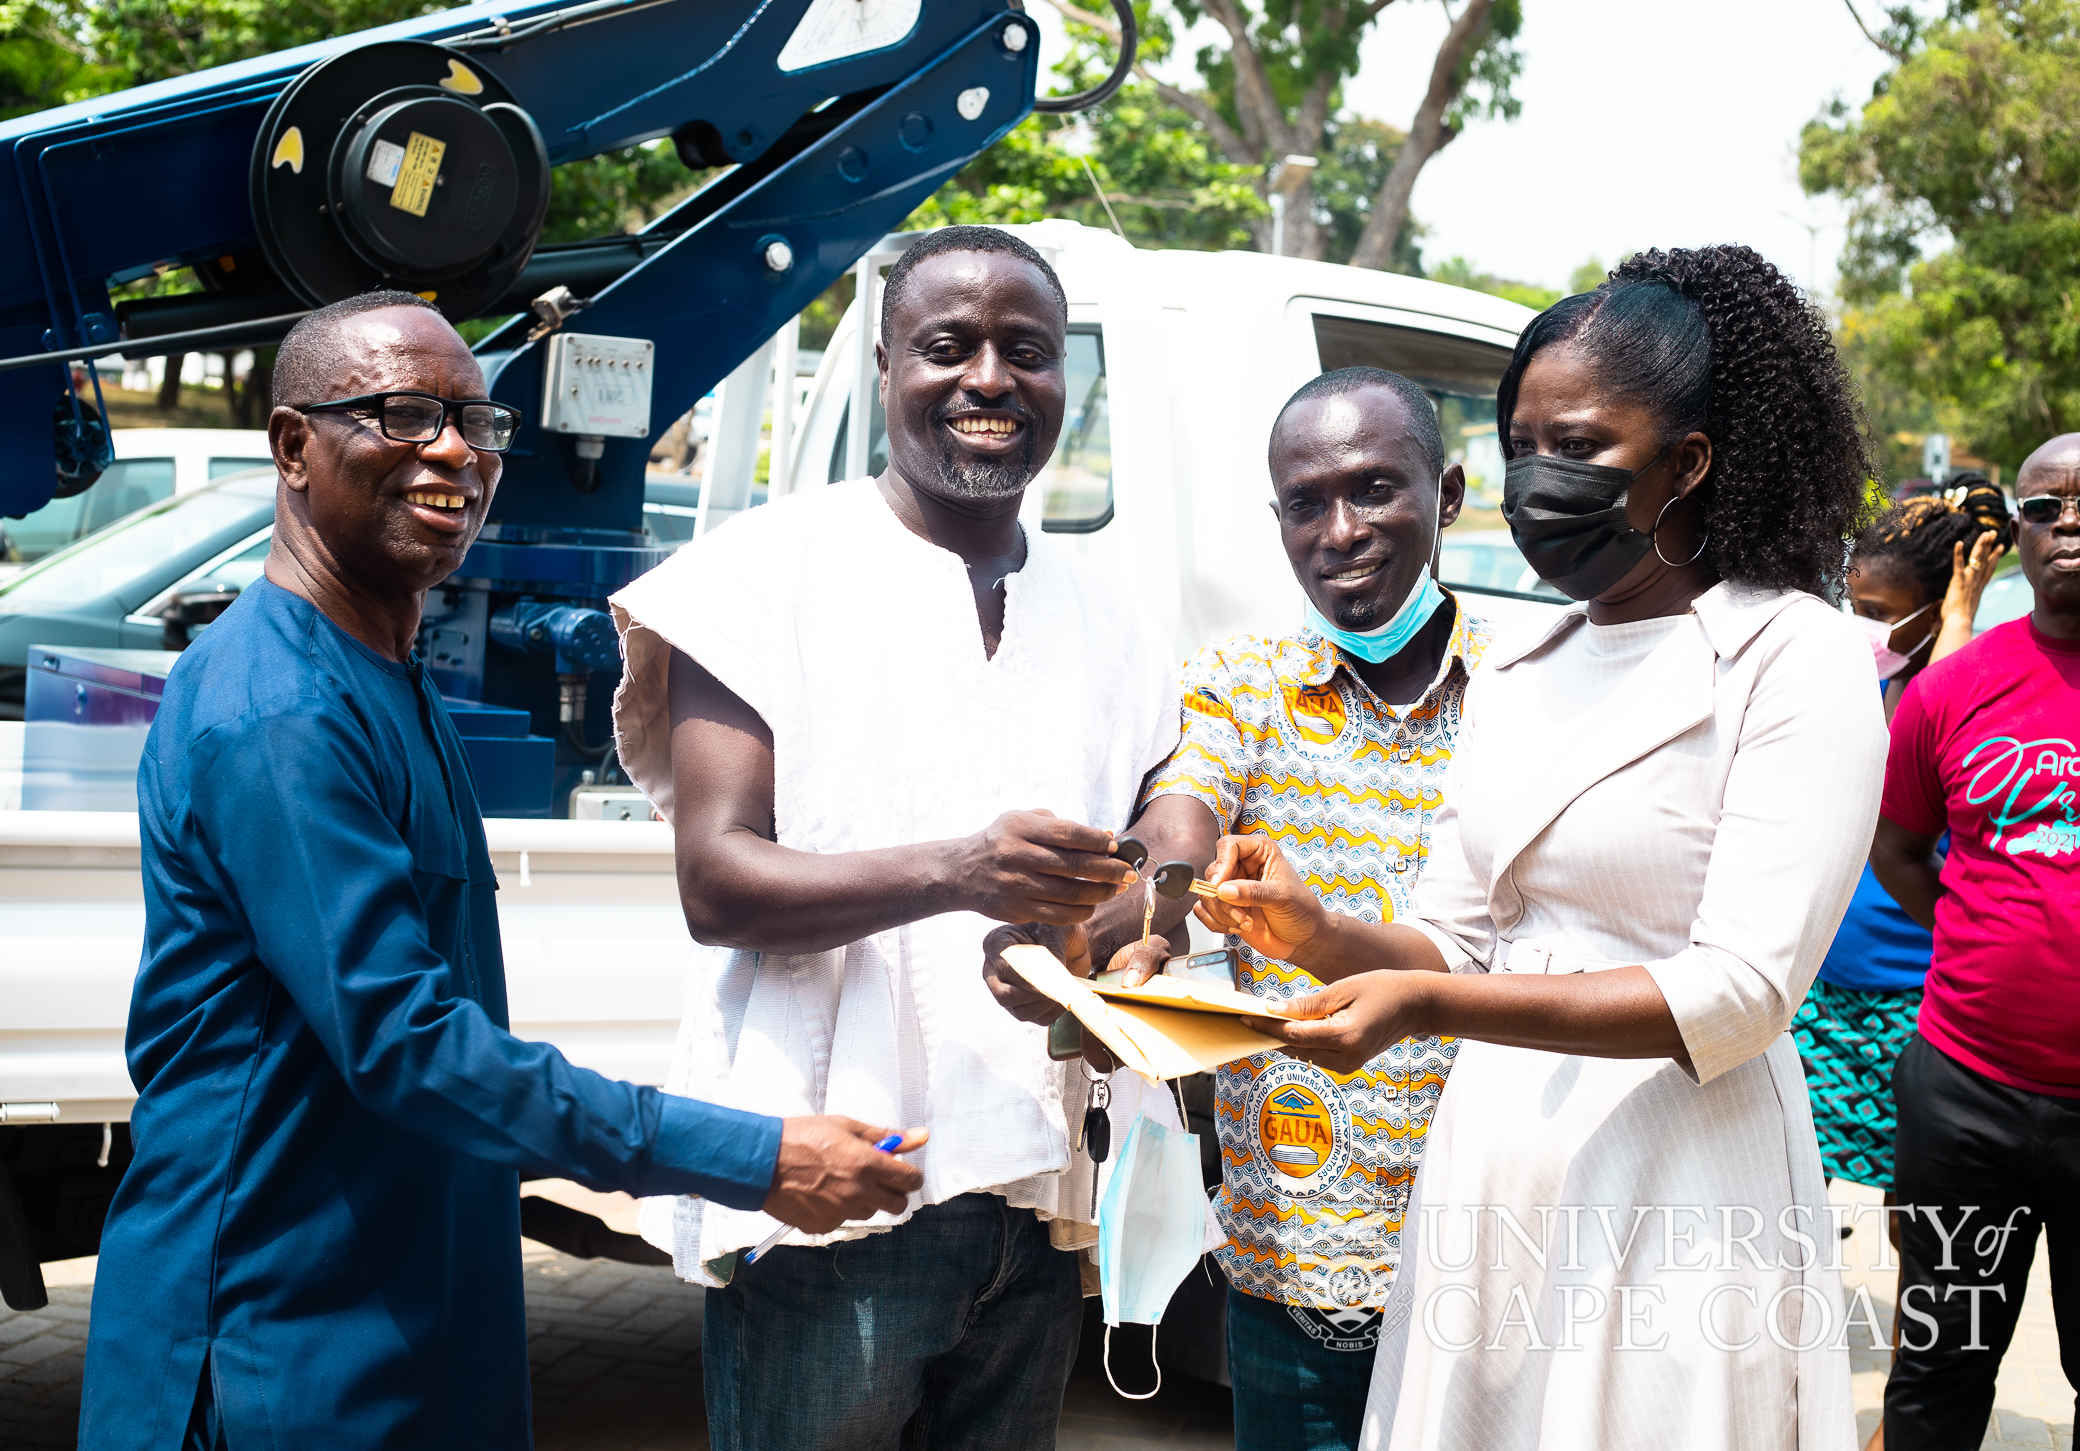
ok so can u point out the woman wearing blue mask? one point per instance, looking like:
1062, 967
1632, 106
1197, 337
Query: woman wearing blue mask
1657, 815
1914, 585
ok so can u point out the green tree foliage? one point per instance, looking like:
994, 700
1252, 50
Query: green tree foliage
616, 192
1274, 86
139, 41
43, 58
1356, 164
1163, 180
1462, 273
1899, 28
1961, 278
1159, 177
1588, 277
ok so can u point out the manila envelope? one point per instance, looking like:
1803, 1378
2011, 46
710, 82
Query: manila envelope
1166, 1028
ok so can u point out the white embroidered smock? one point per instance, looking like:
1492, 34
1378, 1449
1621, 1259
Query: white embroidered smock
857, 643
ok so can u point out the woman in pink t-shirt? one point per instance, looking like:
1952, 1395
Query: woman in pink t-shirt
1986, 747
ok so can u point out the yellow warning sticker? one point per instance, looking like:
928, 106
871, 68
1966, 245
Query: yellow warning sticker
418, 172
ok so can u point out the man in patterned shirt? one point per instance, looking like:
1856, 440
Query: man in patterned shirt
1334, 740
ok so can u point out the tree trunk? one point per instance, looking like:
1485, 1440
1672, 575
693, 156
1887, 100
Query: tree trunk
170, 383
1304, 235
252, 400
1426, 137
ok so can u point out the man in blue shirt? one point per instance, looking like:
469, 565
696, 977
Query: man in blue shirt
317, 1243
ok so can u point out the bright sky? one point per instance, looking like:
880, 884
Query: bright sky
1645, 123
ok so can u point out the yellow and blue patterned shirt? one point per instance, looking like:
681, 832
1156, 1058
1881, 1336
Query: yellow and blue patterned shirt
1280, 736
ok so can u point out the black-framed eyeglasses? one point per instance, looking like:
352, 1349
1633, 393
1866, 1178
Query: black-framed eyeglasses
409, 416
2045, 508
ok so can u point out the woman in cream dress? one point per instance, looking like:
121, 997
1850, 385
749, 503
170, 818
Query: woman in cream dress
1657, 814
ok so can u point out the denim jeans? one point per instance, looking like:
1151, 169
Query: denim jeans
955, 1329
1301, 1377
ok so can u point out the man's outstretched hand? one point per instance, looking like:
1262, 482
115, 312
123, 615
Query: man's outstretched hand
1071, 944
1263, 900
1033, 866
1353, 1020
830, 1172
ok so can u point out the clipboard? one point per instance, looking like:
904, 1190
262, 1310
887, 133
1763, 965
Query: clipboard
1166, 1028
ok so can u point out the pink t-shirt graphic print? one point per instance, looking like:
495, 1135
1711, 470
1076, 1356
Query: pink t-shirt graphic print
1986, 745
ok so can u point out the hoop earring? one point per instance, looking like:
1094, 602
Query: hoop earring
1654, 536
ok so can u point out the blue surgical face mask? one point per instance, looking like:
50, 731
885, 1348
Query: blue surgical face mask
1391, 638
1151, 1225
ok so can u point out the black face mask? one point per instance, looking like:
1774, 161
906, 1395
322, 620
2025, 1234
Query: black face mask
1568, 518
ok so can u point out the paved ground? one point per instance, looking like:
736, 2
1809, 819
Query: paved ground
2033, 1404
615, 1351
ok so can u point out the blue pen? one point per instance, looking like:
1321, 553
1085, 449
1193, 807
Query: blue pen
887, 1146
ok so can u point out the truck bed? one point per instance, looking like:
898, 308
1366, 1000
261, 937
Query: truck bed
596, 951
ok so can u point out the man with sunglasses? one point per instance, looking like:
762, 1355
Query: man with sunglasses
1986, 746
317, 1242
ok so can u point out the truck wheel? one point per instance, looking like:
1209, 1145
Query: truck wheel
54, 1194
21, 1274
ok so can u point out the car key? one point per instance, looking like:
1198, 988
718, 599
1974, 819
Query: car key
1175, 879
1172, 880
1065, 1034
1097, 1134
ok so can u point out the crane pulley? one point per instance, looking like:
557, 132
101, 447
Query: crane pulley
399, 164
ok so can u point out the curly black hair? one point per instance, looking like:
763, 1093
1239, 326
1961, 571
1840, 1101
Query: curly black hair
1717, 340
1920, 535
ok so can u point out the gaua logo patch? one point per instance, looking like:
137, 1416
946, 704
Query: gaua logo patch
1303, 1132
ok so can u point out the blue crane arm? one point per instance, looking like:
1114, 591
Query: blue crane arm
421, 156
825, 156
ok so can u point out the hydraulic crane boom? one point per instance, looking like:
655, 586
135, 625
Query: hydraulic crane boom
269, 177
421, 156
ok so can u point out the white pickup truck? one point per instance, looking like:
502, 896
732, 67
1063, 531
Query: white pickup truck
1178, 363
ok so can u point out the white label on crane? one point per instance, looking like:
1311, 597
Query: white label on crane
385, 160
597, 384
839, 29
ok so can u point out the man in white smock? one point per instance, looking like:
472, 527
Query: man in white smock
826, 698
